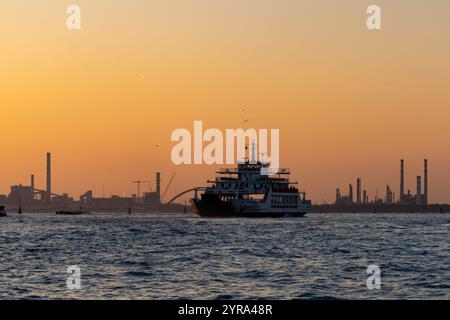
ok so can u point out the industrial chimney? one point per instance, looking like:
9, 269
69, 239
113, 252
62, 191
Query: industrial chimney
425, 181
350, 193
419, 191
158, 185
402, 179
49, 178
32, 181
358, 191
338, 195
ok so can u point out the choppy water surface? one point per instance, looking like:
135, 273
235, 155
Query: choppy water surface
173, 257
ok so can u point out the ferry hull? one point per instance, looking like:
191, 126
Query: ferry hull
213, 207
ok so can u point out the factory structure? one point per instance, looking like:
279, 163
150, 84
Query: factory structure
419, 198
36, 199
31, 196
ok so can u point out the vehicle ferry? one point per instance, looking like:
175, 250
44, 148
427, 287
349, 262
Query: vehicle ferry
249, 191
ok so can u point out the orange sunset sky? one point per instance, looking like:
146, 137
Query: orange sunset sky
348, 101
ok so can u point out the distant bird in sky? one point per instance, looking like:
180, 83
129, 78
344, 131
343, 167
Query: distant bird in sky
157, 145
244, 110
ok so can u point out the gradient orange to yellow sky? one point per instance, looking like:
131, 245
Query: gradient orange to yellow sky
348, 101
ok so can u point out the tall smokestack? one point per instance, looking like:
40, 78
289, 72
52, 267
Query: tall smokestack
350, 193
158, 184
365, 196
419, 191
402, 179
425, 181
358, 191
32, 181
49, 177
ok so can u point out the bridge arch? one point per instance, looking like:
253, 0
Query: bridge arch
184, 192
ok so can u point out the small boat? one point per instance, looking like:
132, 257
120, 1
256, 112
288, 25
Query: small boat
2, 211
71, 213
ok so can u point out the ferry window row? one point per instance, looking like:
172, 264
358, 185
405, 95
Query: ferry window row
284, 201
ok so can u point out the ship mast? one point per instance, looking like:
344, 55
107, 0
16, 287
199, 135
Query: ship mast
253, 159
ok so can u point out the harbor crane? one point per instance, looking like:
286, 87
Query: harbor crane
167, 187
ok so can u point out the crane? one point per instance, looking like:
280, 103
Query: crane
138, 182
167, 187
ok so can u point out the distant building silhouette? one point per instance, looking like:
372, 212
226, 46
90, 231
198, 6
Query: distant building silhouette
419, 199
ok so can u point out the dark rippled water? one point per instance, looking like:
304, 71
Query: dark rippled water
173, 257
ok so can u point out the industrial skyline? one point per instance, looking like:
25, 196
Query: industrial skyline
34, 197
408, 198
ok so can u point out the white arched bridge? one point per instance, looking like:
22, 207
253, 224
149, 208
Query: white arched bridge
196, 189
